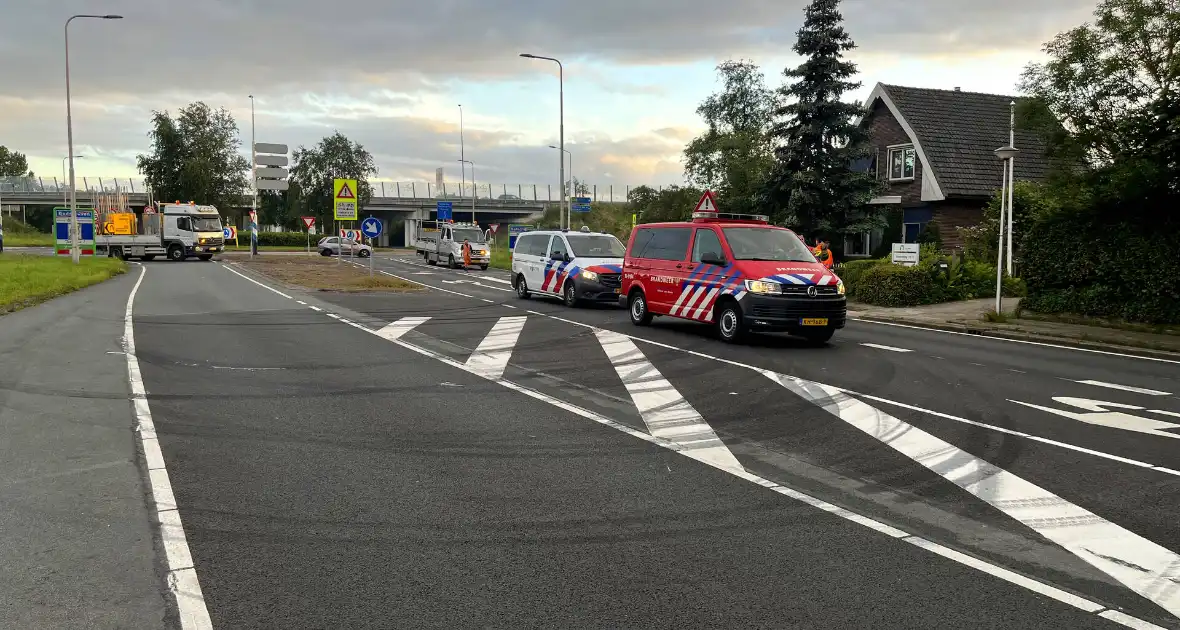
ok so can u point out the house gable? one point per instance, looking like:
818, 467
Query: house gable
925, 173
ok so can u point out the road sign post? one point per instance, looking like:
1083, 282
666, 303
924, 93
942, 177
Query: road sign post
308, 222
344, 205
371, 228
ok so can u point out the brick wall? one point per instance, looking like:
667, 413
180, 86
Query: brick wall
884, 131
952, 214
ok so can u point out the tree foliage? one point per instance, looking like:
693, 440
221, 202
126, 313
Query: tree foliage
733, 156
674, 203
13, 163
813, 186
312, 172
195, 157
1108, 82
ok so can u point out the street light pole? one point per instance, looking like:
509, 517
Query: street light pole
474, 191
462, 156
1006, 155
561, 120
75, 252
1011, 178
573, 191
64, 182
253, 183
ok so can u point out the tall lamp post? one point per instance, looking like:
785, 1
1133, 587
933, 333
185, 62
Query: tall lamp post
64, 181
253, 184
569, 206
474, 190
462, 156
1006, 155
561, 118
75, 252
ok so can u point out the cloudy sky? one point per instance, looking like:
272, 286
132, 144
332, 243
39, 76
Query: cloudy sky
390, 74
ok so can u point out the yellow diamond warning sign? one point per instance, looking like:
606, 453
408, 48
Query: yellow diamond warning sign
344, 199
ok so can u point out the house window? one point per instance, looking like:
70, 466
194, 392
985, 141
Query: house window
857, 245
912, 230
901, 162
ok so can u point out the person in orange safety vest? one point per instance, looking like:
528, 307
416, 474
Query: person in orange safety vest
823, 253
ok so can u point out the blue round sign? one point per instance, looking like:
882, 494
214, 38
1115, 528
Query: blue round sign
371, 227
227, 233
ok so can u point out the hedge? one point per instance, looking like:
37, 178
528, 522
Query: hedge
1097, 264
284, 239
881, 283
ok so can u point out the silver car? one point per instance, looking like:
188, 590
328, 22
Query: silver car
330, 246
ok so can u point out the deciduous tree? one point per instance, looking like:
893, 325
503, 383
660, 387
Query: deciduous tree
13, 163
195, 157
312, 172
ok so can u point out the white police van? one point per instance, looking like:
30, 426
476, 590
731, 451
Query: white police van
581, 266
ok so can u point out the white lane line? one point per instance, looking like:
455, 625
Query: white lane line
1149, 569
488, 301
860, 519
881, 347
1127, 620
664, 410
402, 326
491, 356
235, 271
181, 577
1072, 447
1126, 388
301, 302
315, 308
483, 275
1101, 413
1166, 413
1024, 341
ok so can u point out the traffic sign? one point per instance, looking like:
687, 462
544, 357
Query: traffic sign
353, 235
515, 230
230, 233
493, 227
371, 227
308, 222
444, 211
269, 162
707, 203
344, 199
267, 147
581, 204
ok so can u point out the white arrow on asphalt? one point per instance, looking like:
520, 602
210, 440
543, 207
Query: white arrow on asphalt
1100, 414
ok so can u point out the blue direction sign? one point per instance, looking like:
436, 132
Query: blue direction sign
444, 211
515, 230
581, 204
371, 227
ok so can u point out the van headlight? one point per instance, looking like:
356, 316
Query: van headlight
840, 287
202, 241
589, 275
763, 286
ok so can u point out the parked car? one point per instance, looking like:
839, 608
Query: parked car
330, 246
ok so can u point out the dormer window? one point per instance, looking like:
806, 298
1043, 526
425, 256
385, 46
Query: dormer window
901, 162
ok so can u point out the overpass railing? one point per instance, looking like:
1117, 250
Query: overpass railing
449, 191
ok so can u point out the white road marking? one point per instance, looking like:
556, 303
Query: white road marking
301, 302
488, 301
181, 576
483, 275
881, 347
865, 521
227, 267
665, 412
1127, 620
1149, 569
1166, 413
402, 326
315, 308
1100, 415
939, 414
246, 369
1024, 341
491, 356
1126, 388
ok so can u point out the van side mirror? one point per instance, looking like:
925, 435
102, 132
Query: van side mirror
712, 258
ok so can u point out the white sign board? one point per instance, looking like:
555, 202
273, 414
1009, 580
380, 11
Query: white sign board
905, 254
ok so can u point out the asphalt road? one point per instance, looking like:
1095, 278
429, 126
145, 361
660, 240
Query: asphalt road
462, 458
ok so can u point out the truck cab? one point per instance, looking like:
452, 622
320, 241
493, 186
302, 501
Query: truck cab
448, 248
736, 272
176, 230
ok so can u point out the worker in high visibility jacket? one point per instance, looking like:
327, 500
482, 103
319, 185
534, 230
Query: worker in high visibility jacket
823, 253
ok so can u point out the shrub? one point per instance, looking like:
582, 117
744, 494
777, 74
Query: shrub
852, 272
283, 239
894, 285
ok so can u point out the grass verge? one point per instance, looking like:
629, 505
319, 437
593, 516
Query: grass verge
324, 274
34, 239
29, 280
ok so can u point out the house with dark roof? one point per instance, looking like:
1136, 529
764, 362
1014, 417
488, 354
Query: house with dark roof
935, 149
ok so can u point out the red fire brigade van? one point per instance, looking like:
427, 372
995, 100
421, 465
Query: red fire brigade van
736, 272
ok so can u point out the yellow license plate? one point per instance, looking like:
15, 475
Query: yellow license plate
814, 321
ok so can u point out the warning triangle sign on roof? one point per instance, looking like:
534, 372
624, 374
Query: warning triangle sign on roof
345, 192
707, 203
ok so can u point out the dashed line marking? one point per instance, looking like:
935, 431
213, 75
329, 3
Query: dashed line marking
1125, 388
889, 348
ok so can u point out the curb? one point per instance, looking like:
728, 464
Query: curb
1026, 336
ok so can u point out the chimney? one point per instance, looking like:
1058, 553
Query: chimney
957, 89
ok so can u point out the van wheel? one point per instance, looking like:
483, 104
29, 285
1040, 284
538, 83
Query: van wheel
325, 252
730, 326
570, 294
430, 261
522, 287
205, 256
483, 267
176, 253
637, 306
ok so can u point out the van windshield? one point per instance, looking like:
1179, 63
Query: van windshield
750, 243
206, 224
595, 246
